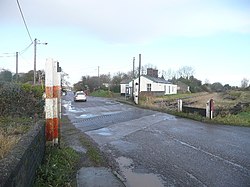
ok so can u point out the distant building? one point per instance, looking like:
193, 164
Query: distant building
182, 87
149, 83
125, 85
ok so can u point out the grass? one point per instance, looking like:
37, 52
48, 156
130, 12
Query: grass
93, 152
102, 93
60, 165
224, 101
11, 131
58, 168
241, 119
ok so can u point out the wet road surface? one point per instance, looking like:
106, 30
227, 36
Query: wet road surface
157, 149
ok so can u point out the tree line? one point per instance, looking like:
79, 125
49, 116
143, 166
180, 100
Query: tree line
184, 75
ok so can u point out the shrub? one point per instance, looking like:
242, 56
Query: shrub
102, 93
21, 100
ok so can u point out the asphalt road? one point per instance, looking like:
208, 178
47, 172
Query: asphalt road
157, 149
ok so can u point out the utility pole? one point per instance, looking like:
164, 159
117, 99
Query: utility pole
35, 42
99, 77
16, 66
133, 78
139, 77
98, 71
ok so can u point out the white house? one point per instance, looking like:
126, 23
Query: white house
126, 87
156, 86
149, 83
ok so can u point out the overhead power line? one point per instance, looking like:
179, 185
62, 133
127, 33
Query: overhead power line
21, 52
24, 20
7, 55
14, 53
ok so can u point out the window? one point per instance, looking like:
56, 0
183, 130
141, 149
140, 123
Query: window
149, 87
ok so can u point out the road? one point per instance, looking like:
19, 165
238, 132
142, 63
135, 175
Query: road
157, 149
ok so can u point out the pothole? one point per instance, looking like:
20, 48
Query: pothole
137, 179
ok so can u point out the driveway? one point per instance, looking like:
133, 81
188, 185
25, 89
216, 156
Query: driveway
157, 149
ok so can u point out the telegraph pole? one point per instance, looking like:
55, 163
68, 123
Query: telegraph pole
99, 82
139, 77
133, 78
98, 71
35, 42
16, 66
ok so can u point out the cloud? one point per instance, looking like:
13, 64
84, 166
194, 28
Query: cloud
133, 21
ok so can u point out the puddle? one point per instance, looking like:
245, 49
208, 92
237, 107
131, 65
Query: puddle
79, 149
170, 118
103, 132
137, 179
110, 113
69, 108
86, 116
111, 102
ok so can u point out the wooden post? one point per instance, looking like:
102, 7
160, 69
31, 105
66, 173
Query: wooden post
133, 78
179, 105
16, 66
139, 81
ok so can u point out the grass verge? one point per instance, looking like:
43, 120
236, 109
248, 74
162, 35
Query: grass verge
226, 101
241, 119
93, 153
60, 165
58, 168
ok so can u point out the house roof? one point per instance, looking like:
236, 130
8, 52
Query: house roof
125, 81
157, 80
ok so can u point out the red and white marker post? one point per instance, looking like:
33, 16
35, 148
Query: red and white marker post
53, 94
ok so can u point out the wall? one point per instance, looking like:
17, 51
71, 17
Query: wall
20, 165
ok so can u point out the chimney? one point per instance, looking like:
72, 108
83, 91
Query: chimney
152, 72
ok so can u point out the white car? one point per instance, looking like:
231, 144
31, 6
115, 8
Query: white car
80, 96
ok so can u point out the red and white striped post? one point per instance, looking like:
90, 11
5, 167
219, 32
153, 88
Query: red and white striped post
57, 86
52, 91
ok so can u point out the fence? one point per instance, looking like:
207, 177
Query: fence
200, 111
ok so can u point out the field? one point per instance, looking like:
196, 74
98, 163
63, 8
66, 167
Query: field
233, 107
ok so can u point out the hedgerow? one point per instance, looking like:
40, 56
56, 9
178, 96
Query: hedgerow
21, 100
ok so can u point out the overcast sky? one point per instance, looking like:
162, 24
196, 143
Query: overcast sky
211, 36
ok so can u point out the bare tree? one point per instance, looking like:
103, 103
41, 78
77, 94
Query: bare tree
169, 74
185, 72
207, 81
64, 78
244, 83
145, 67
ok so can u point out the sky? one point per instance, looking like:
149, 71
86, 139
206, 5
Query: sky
211, 36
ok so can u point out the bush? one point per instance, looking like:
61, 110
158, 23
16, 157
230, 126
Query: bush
102, 93
21, 100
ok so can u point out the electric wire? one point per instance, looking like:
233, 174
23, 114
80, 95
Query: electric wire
24, 50
14, 54
24, 20
7, 55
